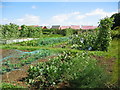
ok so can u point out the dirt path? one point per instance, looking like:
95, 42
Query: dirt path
8, 52
106, 62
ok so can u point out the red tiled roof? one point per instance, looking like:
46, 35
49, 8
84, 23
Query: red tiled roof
19, 28
72, 26
36, 25
88, 27
75, 26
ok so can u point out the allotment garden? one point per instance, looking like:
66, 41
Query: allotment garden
60, 58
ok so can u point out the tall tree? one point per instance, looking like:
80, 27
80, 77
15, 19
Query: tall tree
116, 20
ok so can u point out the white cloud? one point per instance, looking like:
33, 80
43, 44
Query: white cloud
34, 7
60, 18
100, 12
73, 18
75, 13
27, 20
90, 18
80, 17
5, 19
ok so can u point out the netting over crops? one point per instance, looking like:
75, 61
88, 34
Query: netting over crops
44, 41
14, 59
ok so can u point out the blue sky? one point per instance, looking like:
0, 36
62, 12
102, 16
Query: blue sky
56, 13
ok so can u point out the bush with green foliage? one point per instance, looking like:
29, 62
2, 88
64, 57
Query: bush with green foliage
67, 67
83, 41
61, 32
94, 40
30, 31
116, 32
35, 32
9, 31
24, 31
48, 31
69, 31
116, 21
1, 30
12, 31
104, 36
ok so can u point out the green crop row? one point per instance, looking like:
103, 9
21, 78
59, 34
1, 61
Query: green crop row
76, 69
43, 41
24, 59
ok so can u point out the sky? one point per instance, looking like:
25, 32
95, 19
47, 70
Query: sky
56, 13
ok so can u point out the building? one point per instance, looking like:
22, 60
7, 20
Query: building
36, 25
75, 26
88, 27
64, 27
19, 28
48, 27
72, 27
44, 27
55, 27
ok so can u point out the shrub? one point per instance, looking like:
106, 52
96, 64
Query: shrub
83, 41
35, 32
10, 31
69, 31
104, 36
48, 31
30, 31
115, 33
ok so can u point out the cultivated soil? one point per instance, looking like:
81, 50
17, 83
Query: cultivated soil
17, 77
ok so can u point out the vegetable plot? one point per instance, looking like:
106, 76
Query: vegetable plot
99, 41
44, 41
73, 68
83, 41
24, 58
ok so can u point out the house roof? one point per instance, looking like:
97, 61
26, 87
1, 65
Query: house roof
75, 26
72, 26
36, 25
19, 28
55, 26
88, 27
64, 27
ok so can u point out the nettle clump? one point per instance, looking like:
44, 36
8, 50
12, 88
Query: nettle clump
104, 36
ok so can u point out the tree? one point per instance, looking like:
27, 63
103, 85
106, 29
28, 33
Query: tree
116, 21
104, 36
10, 31
24, 31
